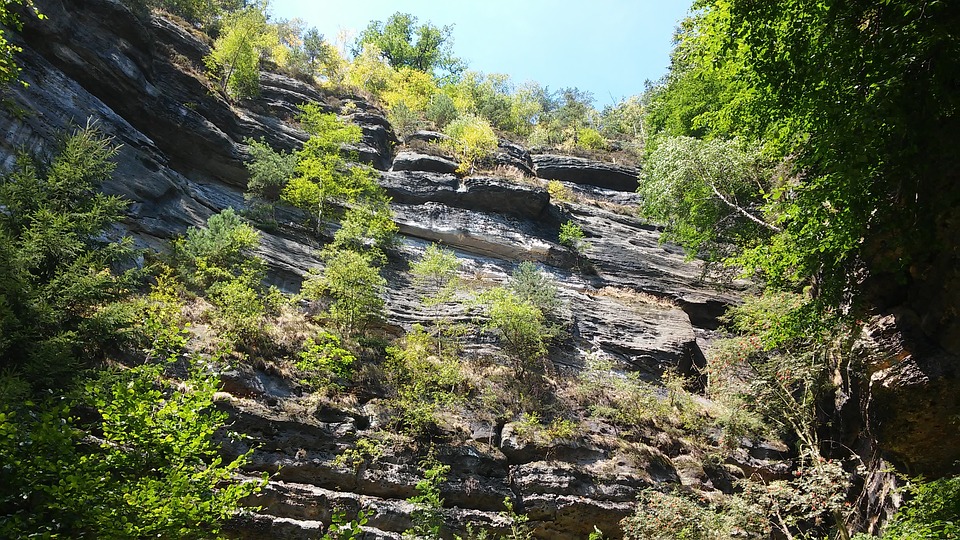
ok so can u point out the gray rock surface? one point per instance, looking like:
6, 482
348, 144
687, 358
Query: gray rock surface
585, 171
415, 161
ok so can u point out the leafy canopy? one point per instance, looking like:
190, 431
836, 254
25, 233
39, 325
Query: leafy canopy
404, 43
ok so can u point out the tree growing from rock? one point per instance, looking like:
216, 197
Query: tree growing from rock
436, 271
353, 283
471, 140
234, 61
323, 175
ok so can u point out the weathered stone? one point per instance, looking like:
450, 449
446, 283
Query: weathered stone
413, 161
585, 171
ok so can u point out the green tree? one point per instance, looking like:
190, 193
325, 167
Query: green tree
572, 236
234, 61
153, 470
366, 228
59, 258
220, 252
269, 172
353, 283
436, 271
706, 195
520, 324
533, 286
403, 43
323, 175
869, 138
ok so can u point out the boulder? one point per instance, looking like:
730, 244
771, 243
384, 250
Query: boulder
585, 171
415, 161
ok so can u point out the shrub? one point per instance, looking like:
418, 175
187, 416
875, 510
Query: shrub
932, 511
533, 286
423, 381
559, 192
590, 139
223, 251
471, 139
238, 311
571, 235
323, 361
153, 470
355, 286
441, 110
269, 171
521, 326
234, 60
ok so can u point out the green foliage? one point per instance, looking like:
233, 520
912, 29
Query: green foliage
364, 451
559, 192
487, 96
471, 140
323, 176
865, 125
220, 253
342, 529
571, 235
323, 361
932, 511
204, 14
424, 382
234, 61
163, 325
238, 310
521, 326
663, 516
705, 195
367, 228
535, 287
441, 110
10, 21
403, 43
436, 271
355, 287
520, 528
590, 139
153, 472
428, 516
57, 257
269, 171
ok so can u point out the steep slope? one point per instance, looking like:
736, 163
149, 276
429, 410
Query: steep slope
636, 304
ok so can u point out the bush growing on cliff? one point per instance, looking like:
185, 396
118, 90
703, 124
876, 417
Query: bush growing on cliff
355, 287
323, 176
234, 60
521, 326
436, 271
471, 140
932, 511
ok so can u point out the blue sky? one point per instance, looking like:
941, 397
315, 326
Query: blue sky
607, 47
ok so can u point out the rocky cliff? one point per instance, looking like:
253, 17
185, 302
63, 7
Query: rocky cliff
637, 304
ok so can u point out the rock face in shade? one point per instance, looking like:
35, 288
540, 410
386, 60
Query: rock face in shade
585, 171
182, 159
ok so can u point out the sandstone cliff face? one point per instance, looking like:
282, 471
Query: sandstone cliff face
182, 160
